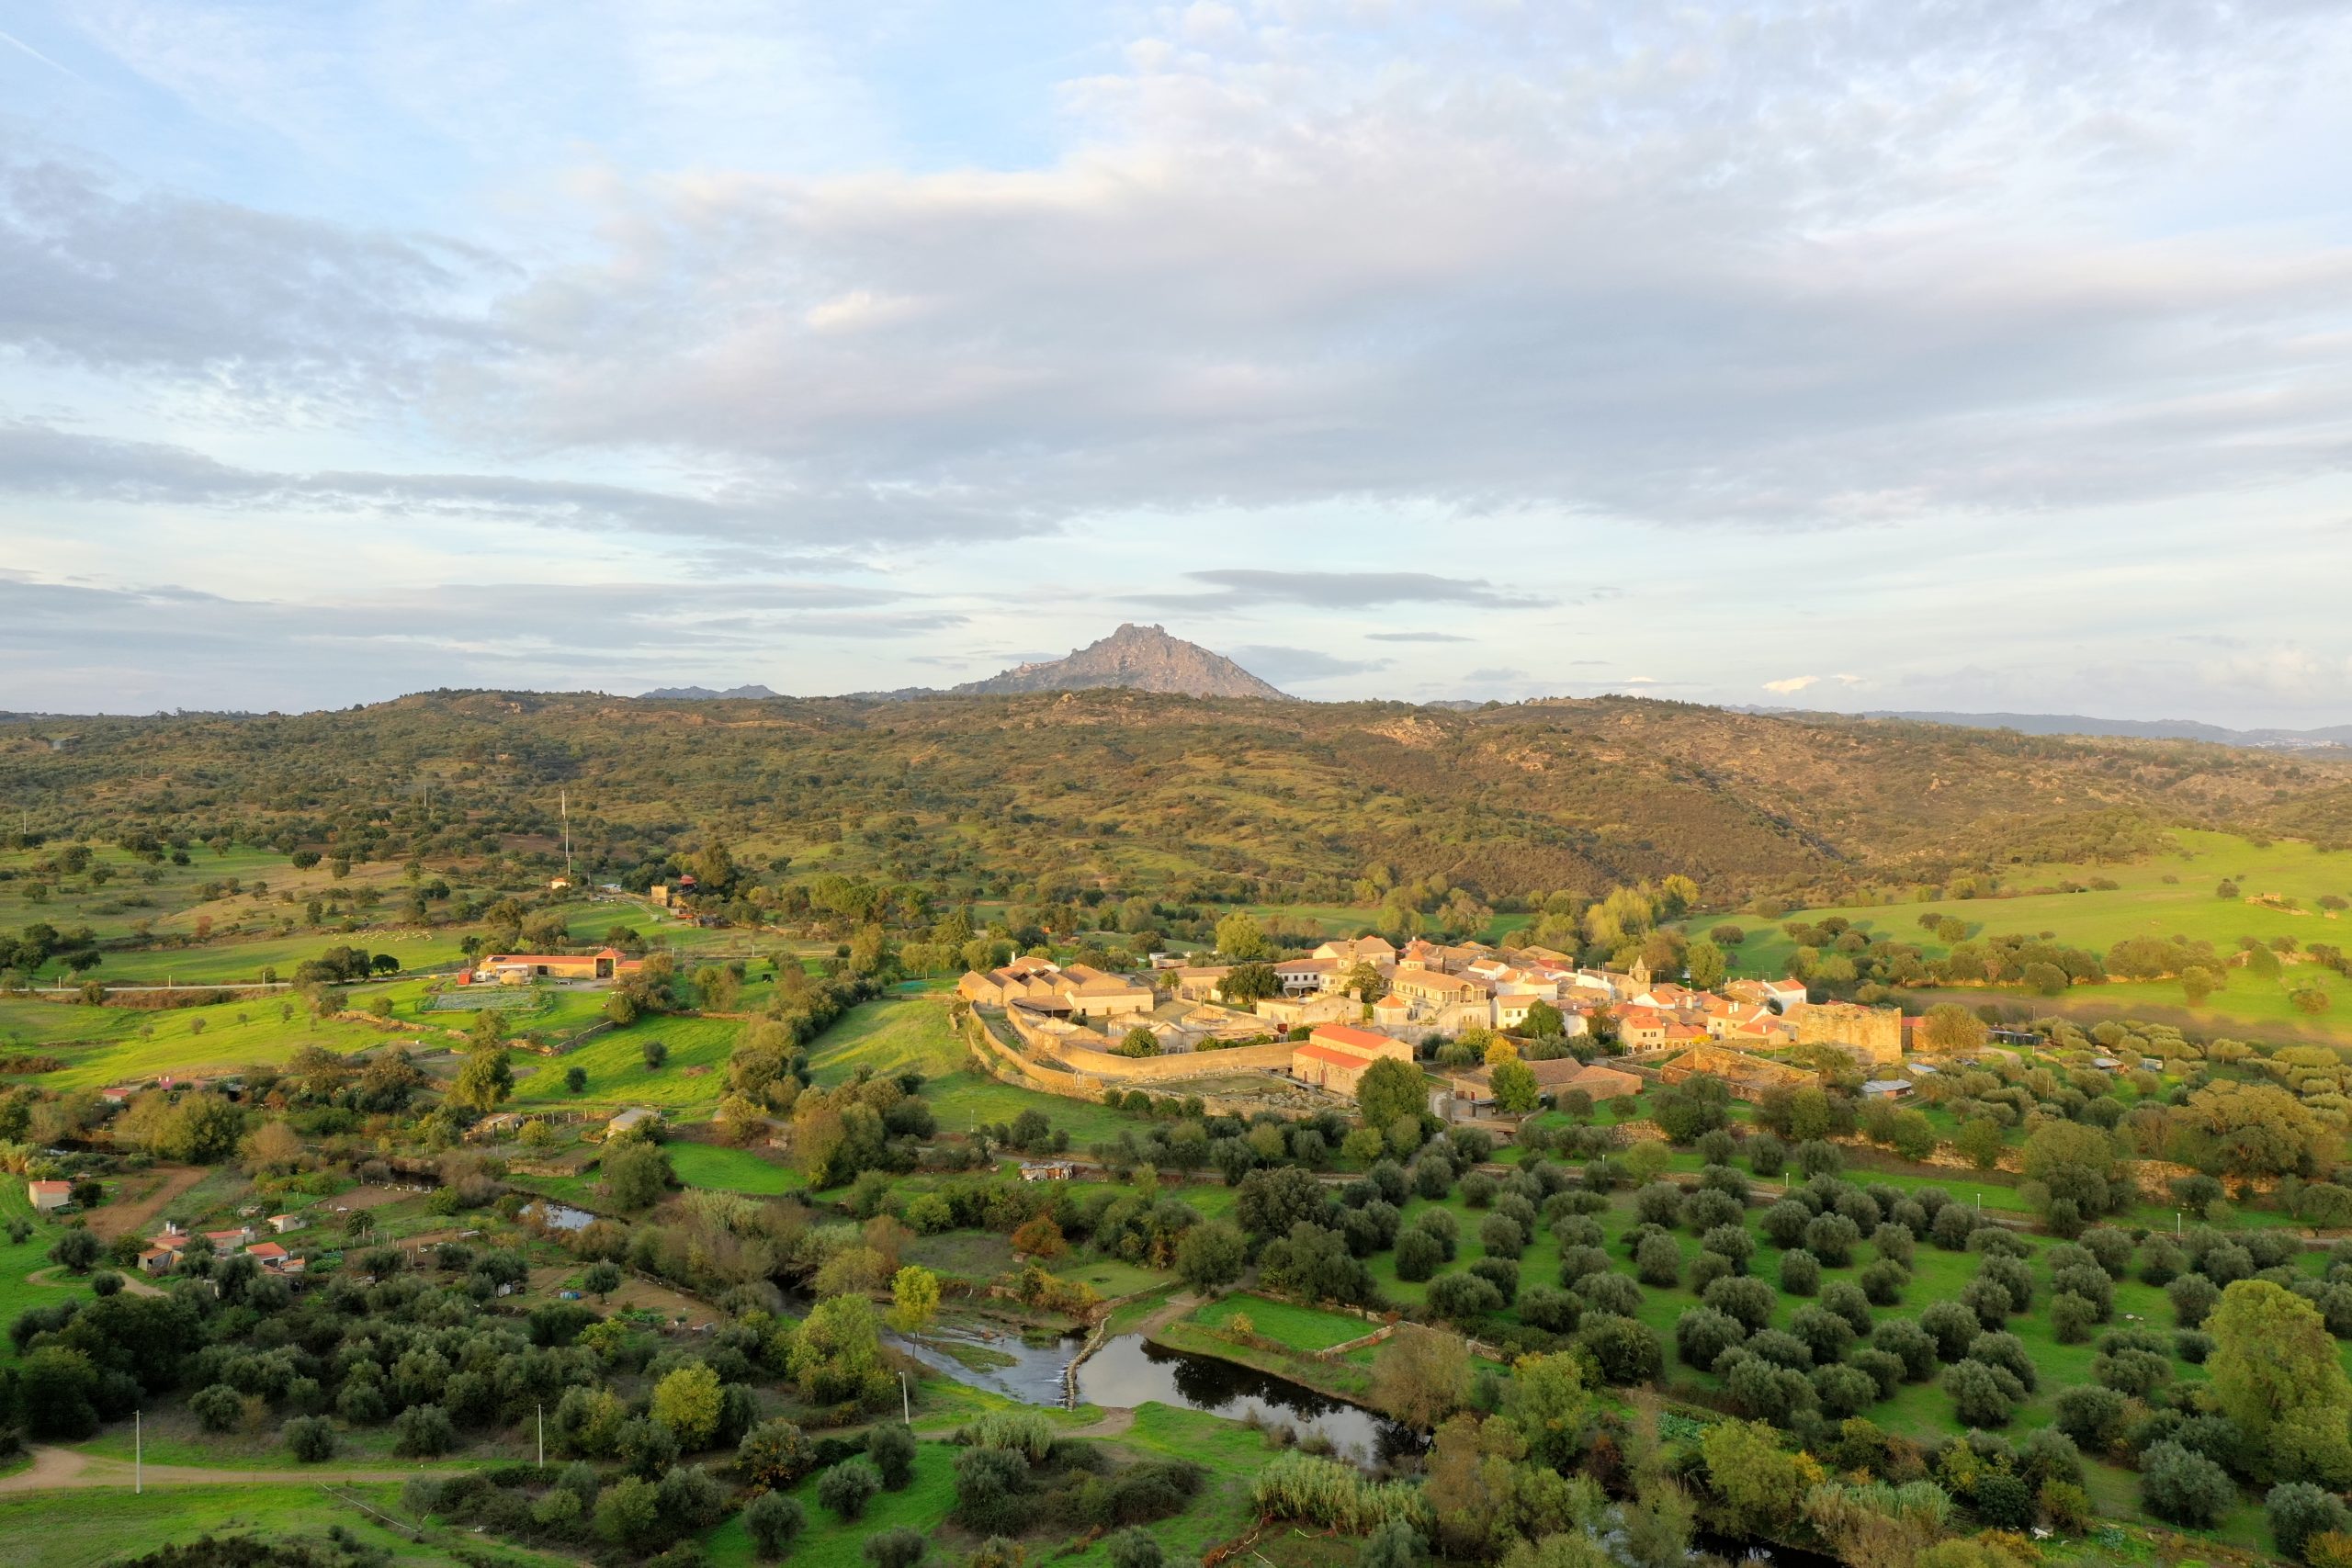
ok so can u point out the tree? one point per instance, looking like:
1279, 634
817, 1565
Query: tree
1420, 1376
891, 1447
2275, 1372
1390, 1091
902, 1546
1211, 1254
2297, 1511
1706, 963
1980, 1139
656, 1054
915, 1299
1950, 1029
1762, 1484
2256, 1129
2184, 1488
1240, 938
773, 1521
687, 1402
78, 1250
773, 1454
1548, 1401
486, 1079
1135, 1548
636, 1174
274, 1147
847, 1487
1544, 1020
837, 1354
1516, 1089
310, 1439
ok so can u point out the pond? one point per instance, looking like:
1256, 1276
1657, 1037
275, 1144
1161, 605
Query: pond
559, 1216
1128, 1371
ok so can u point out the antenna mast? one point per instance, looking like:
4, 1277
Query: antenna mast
563, 805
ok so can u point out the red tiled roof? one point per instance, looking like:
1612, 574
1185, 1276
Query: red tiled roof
1348, 1036
1326, 1055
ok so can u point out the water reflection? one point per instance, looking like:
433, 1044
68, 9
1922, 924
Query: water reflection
1130, 1370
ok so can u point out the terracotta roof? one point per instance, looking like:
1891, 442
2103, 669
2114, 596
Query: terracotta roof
52, 1187
1325, 1054
1348, 1036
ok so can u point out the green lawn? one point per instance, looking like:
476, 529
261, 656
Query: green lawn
732, 1170
100, 1525
1303, 1327
19, 1259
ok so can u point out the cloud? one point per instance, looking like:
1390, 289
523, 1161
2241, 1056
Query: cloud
1416, 637
1284, 665
1241, 587
1792, 683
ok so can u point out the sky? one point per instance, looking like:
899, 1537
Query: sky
1991, 355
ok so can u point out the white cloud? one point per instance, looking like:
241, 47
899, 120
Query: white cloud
1792, 683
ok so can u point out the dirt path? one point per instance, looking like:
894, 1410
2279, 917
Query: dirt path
1114, 1423
112, 1219
131, 1282
58, 1469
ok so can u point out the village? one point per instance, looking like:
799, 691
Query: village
1557, 1032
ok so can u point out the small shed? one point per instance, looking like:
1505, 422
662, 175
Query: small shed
48, 1197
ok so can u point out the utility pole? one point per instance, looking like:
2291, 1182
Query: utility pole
906, 1407
138, 1452
563, 804
543, 1436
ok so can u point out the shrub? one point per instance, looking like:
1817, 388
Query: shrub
1782, 1348
847, 1487
1338, 1496
217, 1408
1893, 1242
1659, 1262
1748, 1300
2091, 1414
1881, 1367
2049, 1455
897, 1548
1710, 1267
2183, 1488
1704, 1334
891, 1447
1978, 1395
1611, 1293
1419, 1255
1659, 1203
1626, 1350
2002, 1501
1882, 1282
1463, 1296
1502, 1274
310, 1439
422, 1431
1783, 1224
1832, 1238
1823, 1332
1133, 1548
2193, 1299
1910, 1343
1553, 1312
2297, 1510
2072, 1318
1766, 1156
1844, 1391
1732, 1242
773, 1520
1800, 1273
2003, 1350
1847, 1301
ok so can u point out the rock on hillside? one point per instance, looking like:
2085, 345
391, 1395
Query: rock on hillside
1142, 658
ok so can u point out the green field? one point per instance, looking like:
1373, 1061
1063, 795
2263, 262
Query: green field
732, 1170
898, 1031
1302, 1327
2161, 897
617, 1073
83, 1529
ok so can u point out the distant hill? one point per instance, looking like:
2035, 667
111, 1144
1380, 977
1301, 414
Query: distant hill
2131, 729
705, 694
1142, 658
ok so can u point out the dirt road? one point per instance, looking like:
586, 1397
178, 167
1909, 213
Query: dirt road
57, 1469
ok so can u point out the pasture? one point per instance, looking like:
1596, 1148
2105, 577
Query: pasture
2280, 888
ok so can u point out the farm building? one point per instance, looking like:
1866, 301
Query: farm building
630, 1121
522, 968
48, 1197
